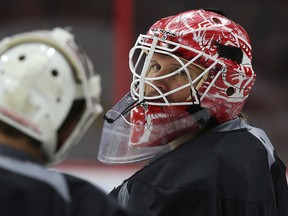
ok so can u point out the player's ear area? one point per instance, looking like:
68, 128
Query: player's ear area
20, 141
69, 124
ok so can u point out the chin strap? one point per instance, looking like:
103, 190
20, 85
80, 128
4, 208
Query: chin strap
127, 109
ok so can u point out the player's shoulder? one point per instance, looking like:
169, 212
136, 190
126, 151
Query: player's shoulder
80, 187
89, 199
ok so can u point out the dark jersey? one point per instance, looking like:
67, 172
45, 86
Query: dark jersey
27, 188
230, 170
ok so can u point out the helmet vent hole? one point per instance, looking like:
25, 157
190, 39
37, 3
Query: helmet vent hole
58, 100
230, 91
216, 20
54, 72
21, 57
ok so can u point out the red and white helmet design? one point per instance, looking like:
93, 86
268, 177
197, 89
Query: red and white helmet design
209, 40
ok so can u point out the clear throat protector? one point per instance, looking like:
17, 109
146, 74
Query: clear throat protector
133, 132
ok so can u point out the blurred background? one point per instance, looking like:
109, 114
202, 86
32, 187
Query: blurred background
107, 29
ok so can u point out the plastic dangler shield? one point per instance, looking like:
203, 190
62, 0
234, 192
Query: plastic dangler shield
132, 133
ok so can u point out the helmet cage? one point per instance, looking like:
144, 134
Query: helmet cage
140, 56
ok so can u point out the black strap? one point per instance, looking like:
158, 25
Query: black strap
215, 10
230, 52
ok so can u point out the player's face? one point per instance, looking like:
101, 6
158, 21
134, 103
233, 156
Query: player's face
162, 65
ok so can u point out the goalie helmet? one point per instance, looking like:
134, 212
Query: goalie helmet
48, 89
214, 56
210, 41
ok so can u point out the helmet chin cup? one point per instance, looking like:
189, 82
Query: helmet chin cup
158, 125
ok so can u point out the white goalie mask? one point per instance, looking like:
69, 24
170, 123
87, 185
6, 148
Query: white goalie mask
48, 89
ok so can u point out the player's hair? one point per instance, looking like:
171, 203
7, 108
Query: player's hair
243, 116
14, 133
